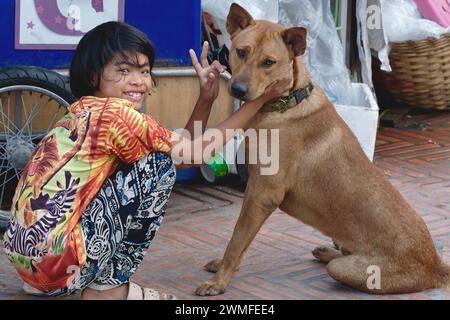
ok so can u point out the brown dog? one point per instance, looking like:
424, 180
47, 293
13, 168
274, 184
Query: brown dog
325, 180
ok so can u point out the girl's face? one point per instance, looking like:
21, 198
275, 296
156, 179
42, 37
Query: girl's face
120, 79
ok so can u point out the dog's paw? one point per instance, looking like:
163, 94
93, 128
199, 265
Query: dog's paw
210, 288
213, 266
326, 254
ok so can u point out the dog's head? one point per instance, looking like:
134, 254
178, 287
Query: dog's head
261, 52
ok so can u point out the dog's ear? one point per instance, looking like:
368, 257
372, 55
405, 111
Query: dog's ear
295, 40
238, 19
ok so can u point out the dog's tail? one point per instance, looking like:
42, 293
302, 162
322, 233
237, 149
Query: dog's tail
442, 275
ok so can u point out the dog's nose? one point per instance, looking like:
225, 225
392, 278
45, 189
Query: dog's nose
239, 89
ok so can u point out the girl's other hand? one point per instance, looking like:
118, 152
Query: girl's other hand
209, 75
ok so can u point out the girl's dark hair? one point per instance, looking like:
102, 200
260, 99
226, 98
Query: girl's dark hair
98, 47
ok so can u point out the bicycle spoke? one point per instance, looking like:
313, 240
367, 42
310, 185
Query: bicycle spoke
23, 109
9, 179
9, 110
37, 136
2, 172
27, 124
5, 118
3, 147
8, 133
7, 130
17, 172
2, 191
3, 155
8, 116
2, 165
34, 114
17, 109
52, 122
10, 167
2, 185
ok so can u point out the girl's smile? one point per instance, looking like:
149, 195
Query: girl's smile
128, 77
134, 96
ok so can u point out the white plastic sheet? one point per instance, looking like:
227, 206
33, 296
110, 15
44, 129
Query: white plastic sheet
218, 9
324, 57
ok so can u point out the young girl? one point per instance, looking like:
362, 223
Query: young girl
93, 194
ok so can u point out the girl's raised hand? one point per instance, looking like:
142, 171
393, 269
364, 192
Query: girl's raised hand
209, 75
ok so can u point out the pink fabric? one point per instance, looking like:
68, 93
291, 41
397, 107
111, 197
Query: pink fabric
436, 10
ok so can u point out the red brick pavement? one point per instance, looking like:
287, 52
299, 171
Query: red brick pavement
279, 265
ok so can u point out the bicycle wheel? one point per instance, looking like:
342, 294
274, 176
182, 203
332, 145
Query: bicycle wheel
31, 101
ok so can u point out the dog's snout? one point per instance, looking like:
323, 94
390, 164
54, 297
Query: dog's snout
239, 89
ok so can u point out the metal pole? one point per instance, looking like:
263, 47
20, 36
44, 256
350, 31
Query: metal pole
184, 72
179, 72
344, 32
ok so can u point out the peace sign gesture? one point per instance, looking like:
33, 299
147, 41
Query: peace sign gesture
209, 75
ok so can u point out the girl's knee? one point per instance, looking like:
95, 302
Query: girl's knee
163, 158
166, 170
162, 165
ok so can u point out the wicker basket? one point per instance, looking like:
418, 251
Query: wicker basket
421, 73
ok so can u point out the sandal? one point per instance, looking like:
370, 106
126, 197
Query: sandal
136, 292
32, 291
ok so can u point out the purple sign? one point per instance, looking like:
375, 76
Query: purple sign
60, 24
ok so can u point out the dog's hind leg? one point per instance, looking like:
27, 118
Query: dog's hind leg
326, 254
377, 275
344, 251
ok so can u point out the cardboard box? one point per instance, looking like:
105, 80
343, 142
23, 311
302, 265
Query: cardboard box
362, 117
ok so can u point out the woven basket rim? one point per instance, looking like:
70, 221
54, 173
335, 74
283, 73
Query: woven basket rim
443, 37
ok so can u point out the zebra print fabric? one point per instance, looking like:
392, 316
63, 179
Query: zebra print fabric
120, 223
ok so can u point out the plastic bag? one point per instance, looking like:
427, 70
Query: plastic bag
370, 37
324, 57
400, 21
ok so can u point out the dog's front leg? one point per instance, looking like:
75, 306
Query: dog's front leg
253, 215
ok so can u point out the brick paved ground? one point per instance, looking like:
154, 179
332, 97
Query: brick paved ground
278, 265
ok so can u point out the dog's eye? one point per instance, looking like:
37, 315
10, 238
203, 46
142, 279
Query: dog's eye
268, 63
240, 53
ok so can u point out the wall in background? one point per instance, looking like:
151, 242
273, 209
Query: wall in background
174, 26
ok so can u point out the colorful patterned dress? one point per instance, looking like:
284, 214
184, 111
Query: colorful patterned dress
44, 240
